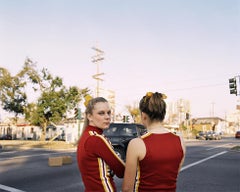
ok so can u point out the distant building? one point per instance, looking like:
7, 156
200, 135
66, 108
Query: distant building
177, 110
23, 130
209, 124
233, 120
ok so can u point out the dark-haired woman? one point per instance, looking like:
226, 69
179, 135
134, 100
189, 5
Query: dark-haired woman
154, 160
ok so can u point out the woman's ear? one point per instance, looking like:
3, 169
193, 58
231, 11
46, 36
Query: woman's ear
144, 119
89, 117
143, 116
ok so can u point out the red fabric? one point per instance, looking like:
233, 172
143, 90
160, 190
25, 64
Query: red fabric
158, 170
96, 158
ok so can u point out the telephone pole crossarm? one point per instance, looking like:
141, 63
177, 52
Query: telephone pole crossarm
96, 59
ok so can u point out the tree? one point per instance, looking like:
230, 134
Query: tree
55, 98
12, 96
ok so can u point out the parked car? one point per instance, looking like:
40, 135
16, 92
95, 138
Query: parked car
6, 137
212, 135
201, 135
237, 134
120, 134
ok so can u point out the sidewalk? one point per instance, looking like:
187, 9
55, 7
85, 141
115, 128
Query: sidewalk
22, 144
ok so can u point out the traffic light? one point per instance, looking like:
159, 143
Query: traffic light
233, 86
187, 116
125, 118
77, 113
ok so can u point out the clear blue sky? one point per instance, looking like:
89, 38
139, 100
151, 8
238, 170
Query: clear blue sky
183, 48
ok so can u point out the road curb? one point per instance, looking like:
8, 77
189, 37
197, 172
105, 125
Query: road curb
36, 145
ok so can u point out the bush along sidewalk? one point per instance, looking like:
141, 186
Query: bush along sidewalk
236, 148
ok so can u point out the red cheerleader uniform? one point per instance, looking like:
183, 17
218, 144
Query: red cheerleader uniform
158, 170
97, 161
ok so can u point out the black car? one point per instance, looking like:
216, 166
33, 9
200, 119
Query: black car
121, 133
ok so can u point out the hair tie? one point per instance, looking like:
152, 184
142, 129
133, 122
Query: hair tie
87, 99
150, 94
164, 96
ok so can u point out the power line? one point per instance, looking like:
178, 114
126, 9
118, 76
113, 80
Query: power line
197, 87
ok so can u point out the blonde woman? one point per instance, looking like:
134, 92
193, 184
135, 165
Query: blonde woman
97, 161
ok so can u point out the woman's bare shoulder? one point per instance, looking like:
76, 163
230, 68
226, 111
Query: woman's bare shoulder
136, 143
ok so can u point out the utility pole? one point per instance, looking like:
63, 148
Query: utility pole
96, 59
212, 111
111, 99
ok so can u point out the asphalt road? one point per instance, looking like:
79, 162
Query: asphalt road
210, 166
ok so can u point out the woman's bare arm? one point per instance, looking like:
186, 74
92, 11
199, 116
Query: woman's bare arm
136, 150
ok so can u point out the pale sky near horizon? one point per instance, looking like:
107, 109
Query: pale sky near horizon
185, 49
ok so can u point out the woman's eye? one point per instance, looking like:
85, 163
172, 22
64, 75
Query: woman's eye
103, 113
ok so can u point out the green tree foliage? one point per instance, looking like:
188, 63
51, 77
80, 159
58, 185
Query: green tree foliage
55, 98
12, 96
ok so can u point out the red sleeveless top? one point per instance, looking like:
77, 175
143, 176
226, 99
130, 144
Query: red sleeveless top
158, 170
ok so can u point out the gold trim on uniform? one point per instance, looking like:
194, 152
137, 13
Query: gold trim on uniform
104, 171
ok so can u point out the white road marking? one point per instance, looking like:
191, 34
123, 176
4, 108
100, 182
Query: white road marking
201, 161
10, 189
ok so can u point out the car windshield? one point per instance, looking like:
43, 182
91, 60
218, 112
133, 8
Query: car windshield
127, 131
111, 131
